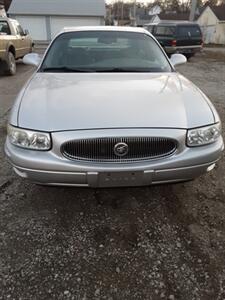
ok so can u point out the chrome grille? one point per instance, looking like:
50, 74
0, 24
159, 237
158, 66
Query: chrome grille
103, 149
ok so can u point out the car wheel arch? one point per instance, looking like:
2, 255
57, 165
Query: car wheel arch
12, 49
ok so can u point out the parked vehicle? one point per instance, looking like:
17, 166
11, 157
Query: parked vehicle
107, 108
14, 44
178, 37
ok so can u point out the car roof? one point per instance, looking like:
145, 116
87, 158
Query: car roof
106, 28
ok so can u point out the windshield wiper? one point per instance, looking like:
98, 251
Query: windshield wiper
65, 69
122, 70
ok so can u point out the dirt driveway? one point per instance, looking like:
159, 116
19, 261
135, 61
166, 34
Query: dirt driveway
161, 242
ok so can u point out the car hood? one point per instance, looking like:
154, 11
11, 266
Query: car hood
71, 101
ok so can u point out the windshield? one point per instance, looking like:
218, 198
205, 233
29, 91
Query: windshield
105, 51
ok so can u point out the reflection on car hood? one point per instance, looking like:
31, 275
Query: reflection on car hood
57, 102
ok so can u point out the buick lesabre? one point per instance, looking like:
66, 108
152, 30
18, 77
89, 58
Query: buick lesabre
107, 108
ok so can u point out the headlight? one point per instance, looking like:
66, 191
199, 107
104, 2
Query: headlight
29, 139
204, 135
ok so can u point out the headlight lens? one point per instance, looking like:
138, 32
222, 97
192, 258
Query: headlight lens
204, 135
29, 139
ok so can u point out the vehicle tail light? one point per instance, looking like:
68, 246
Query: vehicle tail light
173, 43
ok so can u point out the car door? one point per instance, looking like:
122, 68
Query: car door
5, 37
23, 41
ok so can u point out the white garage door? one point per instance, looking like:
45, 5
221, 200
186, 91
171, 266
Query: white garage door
35, 25
58, 23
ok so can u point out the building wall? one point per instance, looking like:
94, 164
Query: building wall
44, 28
207, 18
58, 23
36, 25
220, 33
213, 30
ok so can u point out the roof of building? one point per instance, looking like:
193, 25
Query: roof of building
58, 7
219, 11
169, 16
174, 16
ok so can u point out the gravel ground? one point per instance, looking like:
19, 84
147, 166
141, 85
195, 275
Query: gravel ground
160, 242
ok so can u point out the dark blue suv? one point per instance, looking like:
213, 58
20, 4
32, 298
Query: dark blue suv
178, 37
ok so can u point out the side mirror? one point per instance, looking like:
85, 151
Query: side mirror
26, 32
178, 59
33, 59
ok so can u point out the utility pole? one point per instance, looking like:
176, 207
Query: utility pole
122, 12
135, 12
193, 10
118, 12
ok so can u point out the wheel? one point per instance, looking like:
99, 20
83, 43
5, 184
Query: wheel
10, 64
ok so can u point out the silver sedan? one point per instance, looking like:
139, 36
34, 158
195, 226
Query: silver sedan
106, 108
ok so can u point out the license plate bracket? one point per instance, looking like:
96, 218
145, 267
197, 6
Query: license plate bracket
117, 179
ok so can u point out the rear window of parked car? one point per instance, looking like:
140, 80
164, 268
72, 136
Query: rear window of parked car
165, 30
189, 31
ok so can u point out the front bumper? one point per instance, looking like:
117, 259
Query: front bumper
52, 168
112, 179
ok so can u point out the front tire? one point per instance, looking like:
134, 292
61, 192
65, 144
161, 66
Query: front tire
10, 64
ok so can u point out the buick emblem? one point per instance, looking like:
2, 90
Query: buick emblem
121, 149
